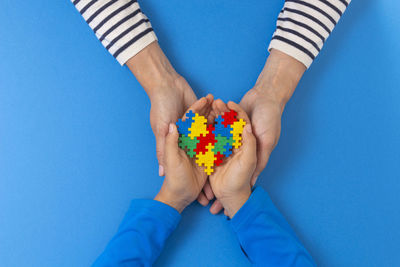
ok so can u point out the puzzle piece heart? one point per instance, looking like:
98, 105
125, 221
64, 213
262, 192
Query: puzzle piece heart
210, 143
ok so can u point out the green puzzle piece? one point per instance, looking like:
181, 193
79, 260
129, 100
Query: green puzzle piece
219, 146
189, 143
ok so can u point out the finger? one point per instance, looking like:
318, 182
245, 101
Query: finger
211, 116
216, 207
220, 106
210, 99
249, 143
171, 141
248, 151
202, 199
160, 144
198, 107
208, 191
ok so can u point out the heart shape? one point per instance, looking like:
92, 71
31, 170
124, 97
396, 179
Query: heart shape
210, 143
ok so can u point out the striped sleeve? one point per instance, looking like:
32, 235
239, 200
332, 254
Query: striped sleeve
304, 25
119, 25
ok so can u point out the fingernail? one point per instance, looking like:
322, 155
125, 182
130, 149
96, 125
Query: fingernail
249, 130
171, 128
160, 170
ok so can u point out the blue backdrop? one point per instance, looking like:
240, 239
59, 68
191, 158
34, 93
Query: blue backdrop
76, 144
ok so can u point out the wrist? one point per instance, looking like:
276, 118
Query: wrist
233, 203
279, 77
171, 200
153, 70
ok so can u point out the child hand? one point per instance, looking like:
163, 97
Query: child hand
230, 182
184, 179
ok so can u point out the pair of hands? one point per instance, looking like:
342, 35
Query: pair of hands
264, 111
171, 96
230, 182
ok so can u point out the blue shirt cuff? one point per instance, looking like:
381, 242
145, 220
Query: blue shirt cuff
257, 202
158, 210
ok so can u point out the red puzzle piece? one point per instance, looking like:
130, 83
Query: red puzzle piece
205, 140
218, 159
229, 118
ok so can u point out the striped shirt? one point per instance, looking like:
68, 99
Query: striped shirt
301, 30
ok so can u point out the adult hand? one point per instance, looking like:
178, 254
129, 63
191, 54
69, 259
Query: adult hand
265, 103
184, 179
265, 113
230, 182
168, 103
169, 93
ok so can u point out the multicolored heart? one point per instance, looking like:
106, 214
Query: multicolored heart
210, 143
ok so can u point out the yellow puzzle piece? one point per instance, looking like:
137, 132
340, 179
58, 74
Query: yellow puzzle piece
198, 127
237, 130
207, 159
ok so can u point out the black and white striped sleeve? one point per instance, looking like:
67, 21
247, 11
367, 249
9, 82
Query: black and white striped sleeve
120, 26
304, 25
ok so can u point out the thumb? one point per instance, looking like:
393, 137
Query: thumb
160, 143
249, 145
171, 141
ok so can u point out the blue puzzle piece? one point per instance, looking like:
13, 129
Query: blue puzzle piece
183, 126
228, 150
221, 129
190, 115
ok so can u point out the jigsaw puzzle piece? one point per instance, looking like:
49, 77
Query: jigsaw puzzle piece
184, 125
237, 141
229, 117
221, 141
198, 127
220, 128
237, 130
228, 149
218, 159
206, 159
204, 140
189, 143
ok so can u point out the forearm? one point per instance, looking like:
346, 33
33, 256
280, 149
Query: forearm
153, 70
120, 26
303, 26
265, 236
141, 235
280, 76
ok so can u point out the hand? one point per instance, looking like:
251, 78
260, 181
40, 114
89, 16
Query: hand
184, 179
265, 114
167, 105
230, 182
265, 104
169, 93
266, 101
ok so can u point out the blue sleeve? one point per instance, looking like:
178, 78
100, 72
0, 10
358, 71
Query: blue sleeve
265, 236
141, 235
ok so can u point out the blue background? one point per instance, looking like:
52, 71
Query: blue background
76, 144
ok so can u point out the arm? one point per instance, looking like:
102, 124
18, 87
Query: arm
127, 34
302, 29
265, 236
148, 223
259, 225
120, 26
304, 25
141, 235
